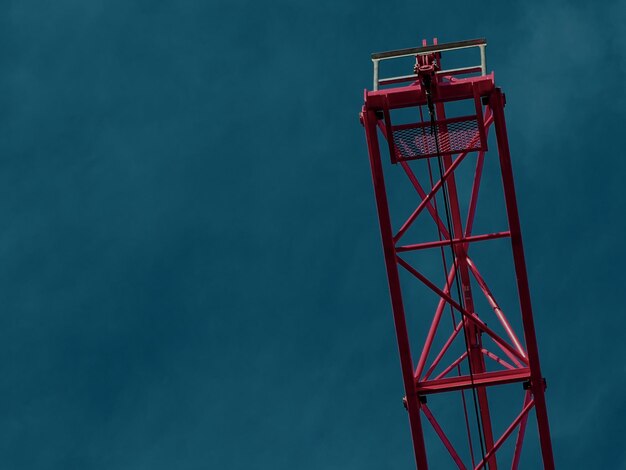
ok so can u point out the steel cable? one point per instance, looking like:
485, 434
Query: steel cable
444, 187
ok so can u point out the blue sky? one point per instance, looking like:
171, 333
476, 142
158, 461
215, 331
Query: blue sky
191, 267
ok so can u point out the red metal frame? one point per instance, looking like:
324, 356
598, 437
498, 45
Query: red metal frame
520, 362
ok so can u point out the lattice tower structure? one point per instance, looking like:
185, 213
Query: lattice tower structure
432, 126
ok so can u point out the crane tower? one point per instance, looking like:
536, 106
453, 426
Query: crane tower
430, 131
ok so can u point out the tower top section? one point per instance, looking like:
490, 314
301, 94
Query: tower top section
430, 53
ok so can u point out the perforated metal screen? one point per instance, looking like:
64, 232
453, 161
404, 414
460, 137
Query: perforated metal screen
418, 140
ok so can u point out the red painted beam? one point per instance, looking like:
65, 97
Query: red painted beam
402, 97
447, 242
484, 379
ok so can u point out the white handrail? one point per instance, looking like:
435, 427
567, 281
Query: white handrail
415, 51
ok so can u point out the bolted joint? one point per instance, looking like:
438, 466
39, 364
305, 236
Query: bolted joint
421, 398
528, 385
503, 96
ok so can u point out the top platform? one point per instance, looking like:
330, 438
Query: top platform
481, 68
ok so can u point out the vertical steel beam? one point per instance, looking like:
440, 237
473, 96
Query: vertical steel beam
406, 362
536, 382
473, 334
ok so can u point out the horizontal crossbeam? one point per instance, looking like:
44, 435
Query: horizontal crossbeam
478, 380
435, 244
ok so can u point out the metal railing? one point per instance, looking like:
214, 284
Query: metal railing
377, 57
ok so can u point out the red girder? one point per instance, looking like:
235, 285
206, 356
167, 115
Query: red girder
479, 379
520, 362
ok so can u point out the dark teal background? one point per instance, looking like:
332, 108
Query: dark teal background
190, 265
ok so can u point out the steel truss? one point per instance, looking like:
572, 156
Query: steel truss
516, 361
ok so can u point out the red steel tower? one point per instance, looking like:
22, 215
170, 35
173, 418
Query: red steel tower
440, 119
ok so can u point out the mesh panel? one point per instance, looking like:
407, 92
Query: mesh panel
455, 136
